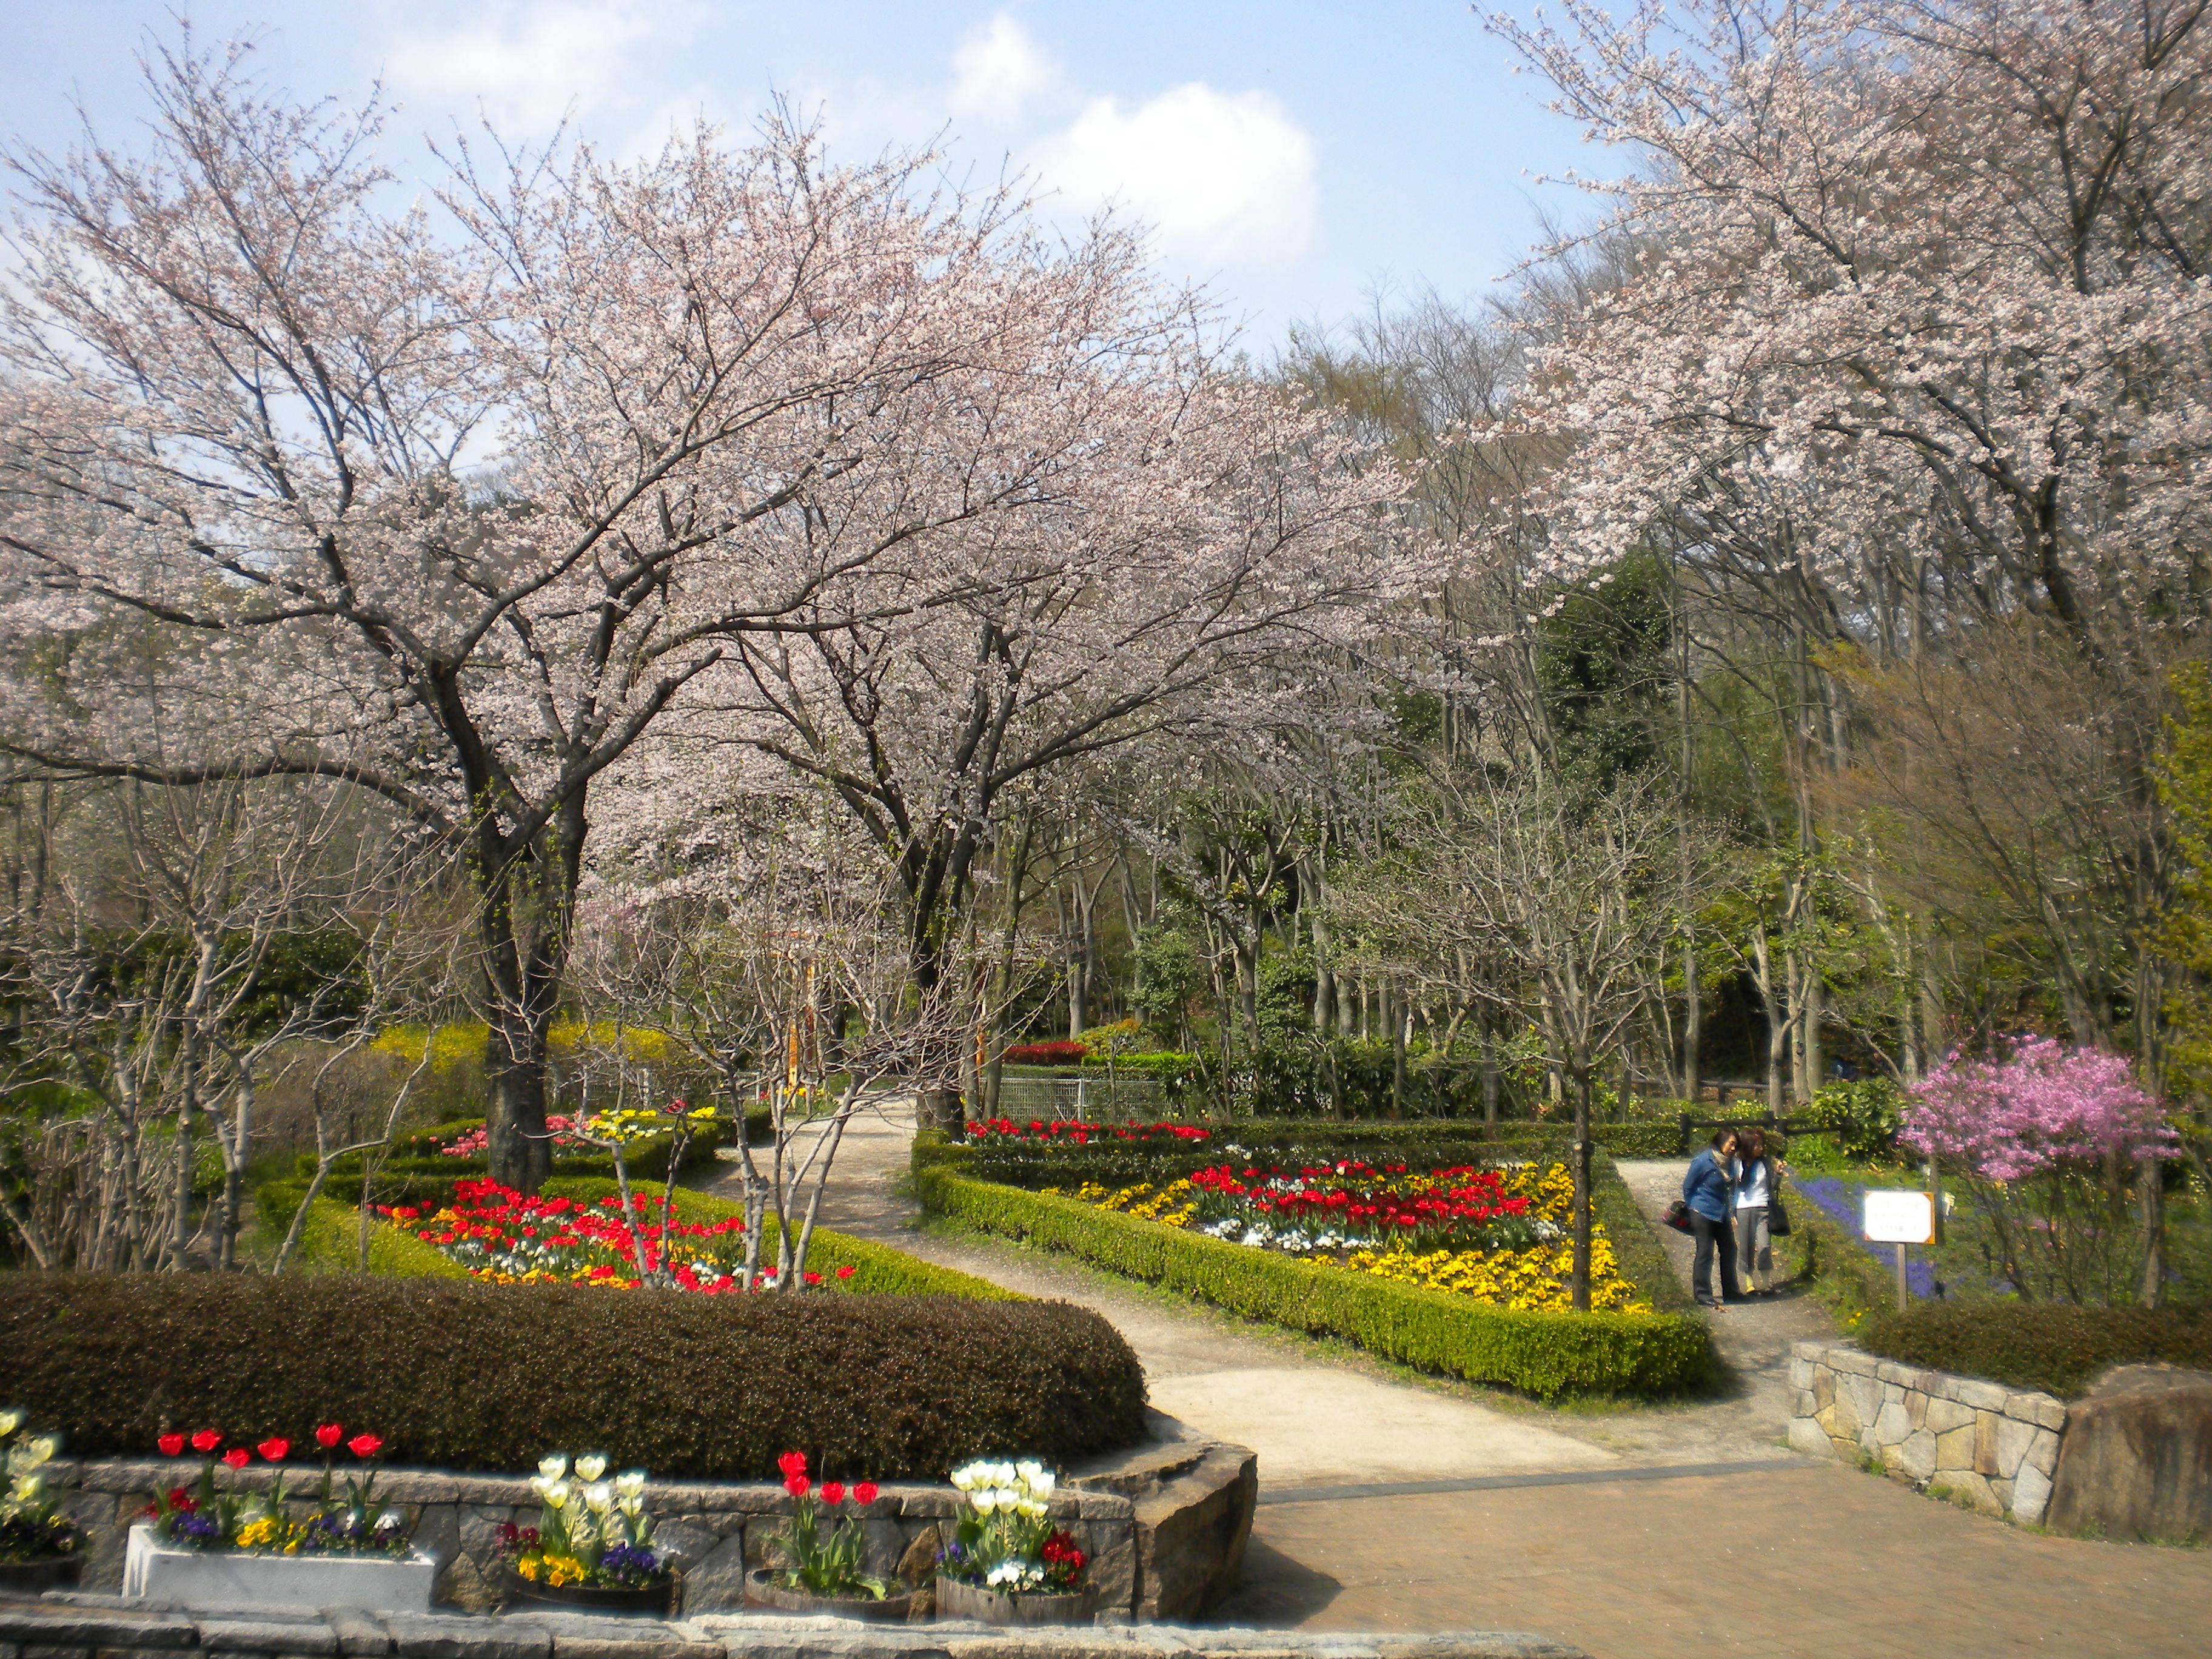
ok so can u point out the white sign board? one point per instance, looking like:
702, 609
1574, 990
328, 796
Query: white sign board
1900, 1217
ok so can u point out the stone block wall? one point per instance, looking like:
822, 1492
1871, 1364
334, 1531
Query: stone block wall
1164, 1526
1996, 1448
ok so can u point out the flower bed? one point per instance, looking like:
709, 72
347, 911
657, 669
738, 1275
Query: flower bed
330, 1240
1500, 1236
499, 1234
1544, 1353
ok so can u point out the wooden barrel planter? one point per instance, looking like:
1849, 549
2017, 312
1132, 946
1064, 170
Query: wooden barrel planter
762, 1591
37, 1577
957, 1601
650, 1599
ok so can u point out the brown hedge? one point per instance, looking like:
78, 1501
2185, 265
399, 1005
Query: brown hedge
464, 1375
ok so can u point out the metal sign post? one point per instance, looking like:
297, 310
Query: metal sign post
1899, 1218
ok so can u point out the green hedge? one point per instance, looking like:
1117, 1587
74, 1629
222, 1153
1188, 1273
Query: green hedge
330, 1243
1543, 1353
2054, 1346
465, 1376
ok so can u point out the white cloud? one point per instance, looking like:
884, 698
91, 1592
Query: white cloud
998, 69
528, 63
1225, 178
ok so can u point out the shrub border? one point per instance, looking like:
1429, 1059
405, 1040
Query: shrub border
1545, 1354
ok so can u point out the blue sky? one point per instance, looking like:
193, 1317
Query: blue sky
1296, 156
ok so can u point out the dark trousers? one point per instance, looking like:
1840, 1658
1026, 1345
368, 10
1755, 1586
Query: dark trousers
1714, 1238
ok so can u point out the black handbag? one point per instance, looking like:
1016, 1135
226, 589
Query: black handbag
1777, 1219
1678, 1217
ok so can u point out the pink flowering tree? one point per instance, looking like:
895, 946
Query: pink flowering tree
2043, 1138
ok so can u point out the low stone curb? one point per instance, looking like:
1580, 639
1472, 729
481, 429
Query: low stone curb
1993, 1447
80, 1627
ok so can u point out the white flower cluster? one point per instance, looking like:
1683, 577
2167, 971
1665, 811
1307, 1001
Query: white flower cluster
1007, 1488
585, 1509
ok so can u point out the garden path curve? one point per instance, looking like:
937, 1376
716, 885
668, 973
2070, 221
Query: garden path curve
1312, 1421
1318, 1414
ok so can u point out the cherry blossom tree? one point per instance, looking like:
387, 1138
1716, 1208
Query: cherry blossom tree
2037, 1134
454, 501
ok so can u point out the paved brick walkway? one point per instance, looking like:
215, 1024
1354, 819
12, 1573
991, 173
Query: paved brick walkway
1791, 1557
1800, 1561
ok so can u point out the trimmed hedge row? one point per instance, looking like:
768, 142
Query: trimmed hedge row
1543, 1353
490, 1377
2054, 1346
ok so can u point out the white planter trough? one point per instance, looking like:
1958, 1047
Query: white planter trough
153, 1572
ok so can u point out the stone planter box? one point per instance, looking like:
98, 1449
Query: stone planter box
957, 1601
152, 1572
762, 1591
1994, 1447
37, 1577
1164, 1524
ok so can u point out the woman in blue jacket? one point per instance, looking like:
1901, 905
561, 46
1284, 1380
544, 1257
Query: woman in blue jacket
1709, 1189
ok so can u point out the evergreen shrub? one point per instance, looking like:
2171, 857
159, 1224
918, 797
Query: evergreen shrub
2051, 1345
473, 1377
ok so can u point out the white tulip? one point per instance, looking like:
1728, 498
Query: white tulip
1030, 1470
9, 1422
42, 1448
630, 1504
600, 1495
1005, 1474
1009, 1499
1031, 1508
556, 1494
965, 1478
987, 1500
591, 1467
1043, 1483
29, 1488
555, 1467
631, 1484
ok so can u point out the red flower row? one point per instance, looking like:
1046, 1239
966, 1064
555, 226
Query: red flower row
273, 1449
795, 1481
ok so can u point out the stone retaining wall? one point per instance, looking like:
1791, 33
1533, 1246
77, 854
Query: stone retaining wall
99, 1627
1165, 1525
1991, 1446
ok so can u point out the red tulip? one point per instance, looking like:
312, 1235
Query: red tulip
172, 1445
207, 1440
792, 1463
833, 1492
364, 1445
845, 1272
327, 1435
864, 1491
237, 1457
799, 1486
274, 1450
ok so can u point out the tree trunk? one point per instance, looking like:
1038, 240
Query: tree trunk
1580, 1168
1489, 1074
1400, 1015
2150, 1198
1693, 1022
